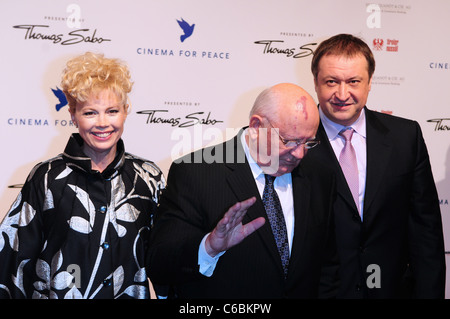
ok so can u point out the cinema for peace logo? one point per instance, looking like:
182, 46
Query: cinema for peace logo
187, 28
183, 35
62, 100
59, 102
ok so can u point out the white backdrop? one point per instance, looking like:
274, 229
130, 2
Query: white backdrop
189, 93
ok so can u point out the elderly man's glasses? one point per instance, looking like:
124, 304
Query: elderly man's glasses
294, 143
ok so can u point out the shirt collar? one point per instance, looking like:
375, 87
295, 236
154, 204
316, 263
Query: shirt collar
332, 129
75, 157
257, 172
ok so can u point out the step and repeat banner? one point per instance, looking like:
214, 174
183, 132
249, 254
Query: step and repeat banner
198, 65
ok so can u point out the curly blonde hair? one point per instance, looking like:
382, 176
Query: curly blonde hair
90, 73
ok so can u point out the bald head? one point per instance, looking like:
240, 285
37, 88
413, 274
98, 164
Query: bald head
290, 110
287, 104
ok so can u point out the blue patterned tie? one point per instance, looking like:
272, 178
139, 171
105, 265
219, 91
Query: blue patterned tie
276, 220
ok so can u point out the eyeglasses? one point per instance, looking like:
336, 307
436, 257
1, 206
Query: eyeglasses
290, 144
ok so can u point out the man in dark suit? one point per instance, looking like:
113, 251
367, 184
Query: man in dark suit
389, 230
213, 237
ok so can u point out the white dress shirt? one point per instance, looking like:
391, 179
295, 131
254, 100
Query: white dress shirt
283, 187
359, 144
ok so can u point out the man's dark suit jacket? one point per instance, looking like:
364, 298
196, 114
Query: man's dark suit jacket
196, 198
401, 230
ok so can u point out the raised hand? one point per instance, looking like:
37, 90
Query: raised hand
229, 231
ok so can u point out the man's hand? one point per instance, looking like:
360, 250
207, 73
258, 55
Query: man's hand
229, 230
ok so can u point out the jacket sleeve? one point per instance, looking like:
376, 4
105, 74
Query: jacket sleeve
425, 229
21, 241
329, 279
178, 230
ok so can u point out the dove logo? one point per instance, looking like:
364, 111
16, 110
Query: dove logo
61, 97
42, 121
187, 28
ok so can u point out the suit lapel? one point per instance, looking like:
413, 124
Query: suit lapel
240, 177
301, 194
378, 154
326, 154
242, 183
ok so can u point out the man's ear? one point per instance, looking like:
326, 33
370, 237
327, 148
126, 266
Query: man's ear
255, 121
254, 124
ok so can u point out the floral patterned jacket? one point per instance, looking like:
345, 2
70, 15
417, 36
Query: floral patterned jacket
77, 233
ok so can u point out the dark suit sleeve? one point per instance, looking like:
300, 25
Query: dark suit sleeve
322, 180
178, 230
329, 279
425, 229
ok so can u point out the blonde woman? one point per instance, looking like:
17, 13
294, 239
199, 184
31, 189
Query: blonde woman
80, 225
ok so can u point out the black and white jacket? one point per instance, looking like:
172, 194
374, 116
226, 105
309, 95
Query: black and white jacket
77, 233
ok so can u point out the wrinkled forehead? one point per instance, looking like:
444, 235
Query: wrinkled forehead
301, 120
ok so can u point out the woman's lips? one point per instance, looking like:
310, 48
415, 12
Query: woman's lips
102, 135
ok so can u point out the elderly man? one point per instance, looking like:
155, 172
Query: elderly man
256, 223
